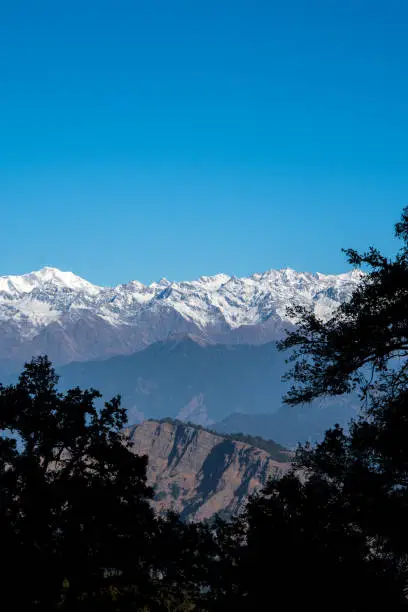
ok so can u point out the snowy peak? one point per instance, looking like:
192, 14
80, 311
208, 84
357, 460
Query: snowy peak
26, 283
79, 320
65, 279
288, 277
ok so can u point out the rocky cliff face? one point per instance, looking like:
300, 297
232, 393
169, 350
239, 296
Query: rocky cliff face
198, 473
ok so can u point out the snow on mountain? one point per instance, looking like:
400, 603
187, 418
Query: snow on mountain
26, 283
69, 318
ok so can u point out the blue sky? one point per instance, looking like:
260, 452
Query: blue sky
146, 139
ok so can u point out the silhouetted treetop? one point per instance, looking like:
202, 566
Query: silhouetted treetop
366, 338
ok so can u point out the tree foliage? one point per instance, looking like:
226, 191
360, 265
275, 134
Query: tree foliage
364, 338
76, 521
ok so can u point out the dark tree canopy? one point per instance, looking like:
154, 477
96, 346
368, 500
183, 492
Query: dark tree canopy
75, 516
77, 529
304, 544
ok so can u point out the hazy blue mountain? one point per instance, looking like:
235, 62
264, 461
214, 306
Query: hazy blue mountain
187, 379
293, 424
236, 387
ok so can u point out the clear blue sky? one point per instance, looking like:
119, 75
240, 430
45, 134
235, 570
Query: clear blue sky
149, 138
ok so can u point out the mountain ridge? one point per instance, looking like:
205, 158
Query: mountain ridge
70, 319
206, 384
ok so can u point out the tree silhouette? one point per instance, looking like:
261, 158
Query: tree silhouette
304, 544
76, 522
365, 346
77, 528
365, 342
333, 532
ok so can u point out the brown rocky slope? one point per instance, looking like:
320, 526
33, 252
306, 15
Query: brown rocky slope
199, 473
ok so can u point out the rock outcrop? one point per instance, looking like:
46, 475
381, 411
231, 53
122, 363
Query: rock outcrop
198, 473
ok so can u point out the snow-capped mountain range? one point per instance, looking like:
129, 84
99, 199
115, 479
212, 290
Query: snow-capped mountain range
65, 316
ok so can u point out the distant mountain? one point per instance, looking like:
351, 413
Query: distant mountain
70, 319
206, 384
199, 473
186, 379
199, 350
293, 424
